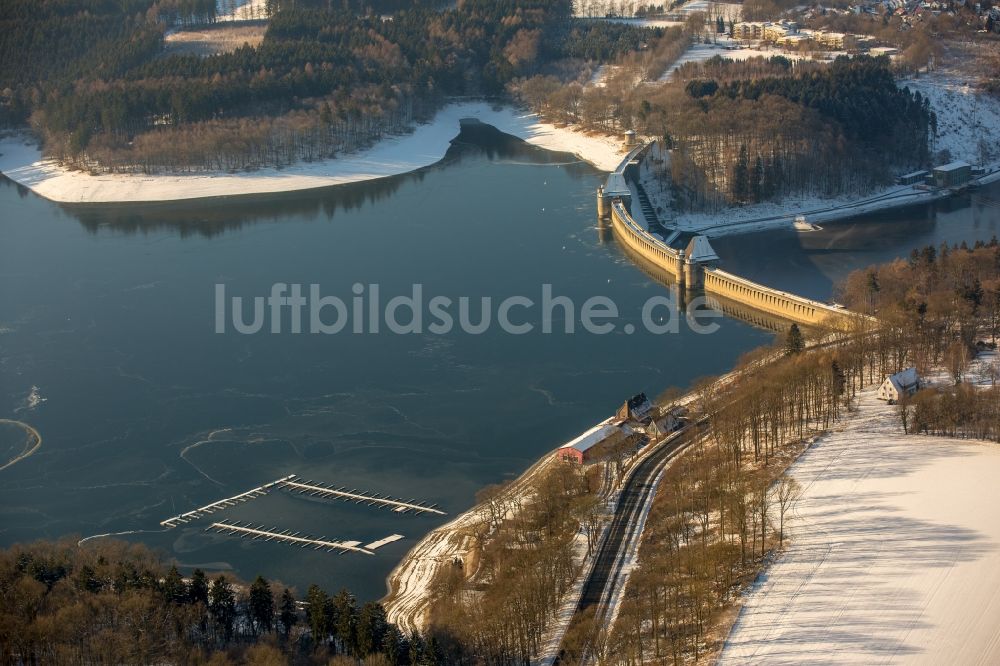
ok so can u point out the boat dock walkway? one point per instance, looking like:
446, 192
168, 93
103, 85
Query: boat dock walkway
315, 489
292, 483
248, 531
224, 503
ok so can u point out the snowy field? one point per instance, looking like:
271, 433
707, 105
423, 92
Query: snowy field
240, 10
696, 53
23, 163
627, 8
727, 10
733, 49
895, 554
217, 39
647, 22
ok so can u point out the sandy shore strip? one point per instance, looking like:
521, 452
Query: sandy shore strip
33, 442
22, 162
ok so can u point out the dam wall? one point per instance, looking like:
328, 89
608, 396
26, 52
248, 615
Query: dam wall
697, 268
645, 244
772, 301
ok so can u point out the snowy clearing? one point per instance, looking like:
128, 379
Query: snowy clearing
623, 9
982, 372
733, 49
240, 10
645, 22
21, 161
211, 41
711, 9
895, 553
968, 123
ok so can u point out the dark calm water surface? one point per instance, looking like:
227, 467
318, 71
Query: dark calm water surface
107, 347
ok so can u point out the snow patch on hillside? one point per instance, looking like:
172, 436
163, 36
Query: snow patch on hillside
733, 49
968, 122
623, 9
240, 10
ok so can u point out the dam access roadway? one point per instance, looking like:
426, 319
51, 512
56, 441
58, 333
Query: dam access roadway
623, 534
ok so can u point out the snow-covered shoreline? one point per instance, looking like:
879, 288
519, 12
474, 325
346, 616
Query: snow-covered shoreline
409, 583
783, 215
22, 162
815, 210
812, 209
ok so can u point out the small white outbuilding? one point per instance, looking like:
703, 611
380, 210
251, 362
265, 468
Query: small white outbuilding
906, 382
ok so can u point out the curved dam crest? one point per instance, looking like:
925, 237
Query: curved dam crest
696, 268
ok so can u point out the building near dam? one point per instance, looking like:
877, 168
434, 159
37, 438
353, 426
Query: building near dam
637, 423
624, 432
596, 443
636, 408
952, 174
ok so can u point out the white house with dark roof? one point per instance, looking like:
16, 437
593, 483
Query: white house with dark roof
903, 383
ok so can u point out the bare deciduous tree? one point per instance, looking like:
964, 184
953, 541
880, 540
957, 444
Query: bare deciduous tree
788, 491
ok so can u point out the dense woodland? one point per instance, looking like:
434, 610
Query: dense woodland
118, 603
942, 305
327, 78
332, 77
837, 129
523, 565
756, 130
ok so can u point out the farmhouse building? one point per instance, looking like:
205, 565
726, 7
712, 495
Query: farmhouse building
901, 384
